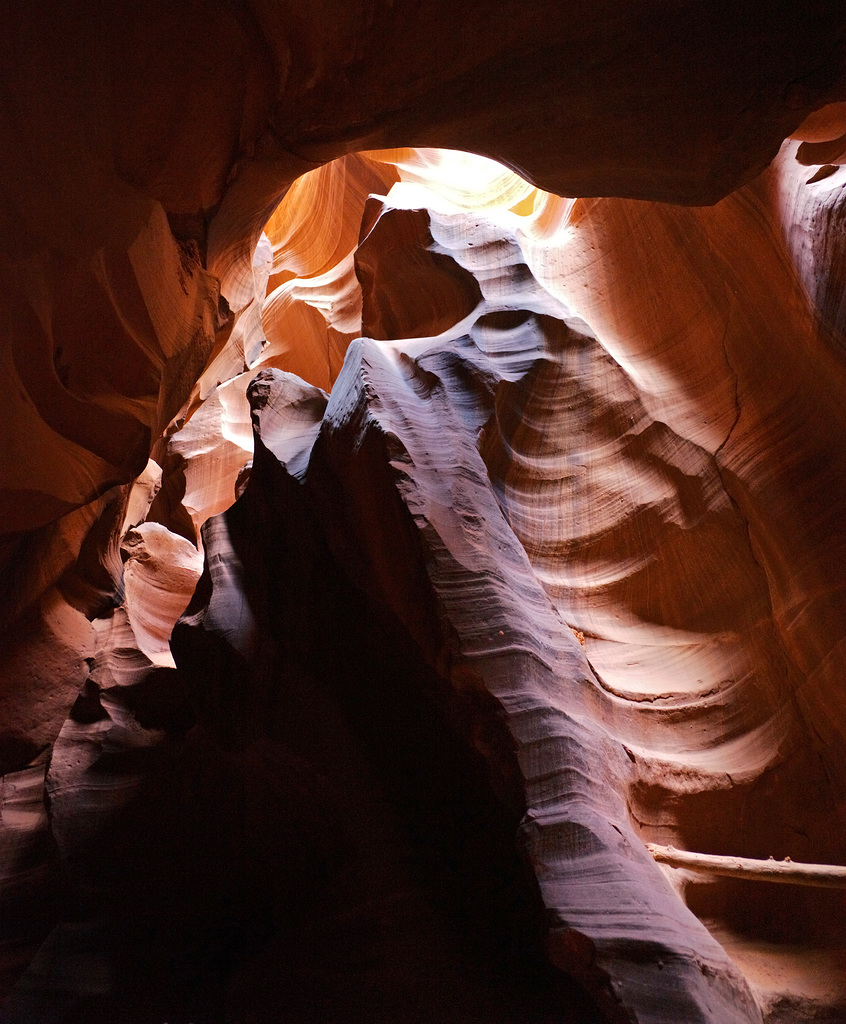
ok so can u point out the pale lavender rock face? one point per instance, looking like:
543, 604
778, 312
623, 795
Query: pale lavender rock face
425, 409
508, 640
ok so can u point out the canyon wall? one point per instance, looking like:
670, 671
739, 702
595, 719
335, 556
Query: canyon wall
537, 550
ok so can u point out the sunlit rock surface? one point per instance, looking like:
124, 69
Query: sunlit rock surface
514, 521
118, 206
609, 429
159, 576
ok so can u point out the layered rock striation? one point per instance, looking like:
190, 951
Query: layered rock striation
536, 554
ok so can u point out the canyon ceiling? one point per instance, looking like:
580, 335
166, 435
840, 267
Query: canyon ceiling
510, 688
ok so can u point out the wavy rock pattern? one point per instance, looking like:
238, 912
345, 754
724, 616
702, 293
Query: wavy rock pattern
91, 266
653, 552
578, 420
521, 653
489, 478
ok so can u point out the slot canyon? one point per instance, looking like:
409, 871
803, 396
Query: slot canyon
423, 512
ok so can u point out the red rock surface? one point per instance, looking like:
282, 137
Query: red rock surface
548, 566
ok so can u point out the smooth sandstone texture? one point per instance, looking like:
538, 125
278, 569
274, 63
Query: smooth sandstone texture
625, 433
679, 104
567, 581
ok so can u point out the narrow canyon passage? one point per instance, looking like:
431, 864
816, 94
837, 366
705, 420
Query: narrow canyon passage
397, 555
494, 577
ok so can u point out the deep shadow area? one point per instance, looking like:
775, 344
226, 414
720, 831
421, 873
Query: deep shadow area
317, 841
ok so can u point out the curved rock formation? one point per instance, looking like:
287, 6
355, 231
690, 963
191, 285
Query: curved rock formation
93, 192
555, 569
